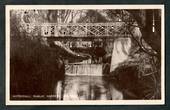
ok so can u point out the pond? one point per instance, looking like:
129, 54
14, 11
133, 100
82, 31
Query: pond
90, 88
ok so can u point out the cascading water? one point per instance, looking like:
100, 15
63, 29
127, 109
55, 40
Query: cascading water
120, 52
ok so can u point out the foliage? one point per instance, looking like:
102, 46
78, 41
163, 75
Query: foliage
34, 68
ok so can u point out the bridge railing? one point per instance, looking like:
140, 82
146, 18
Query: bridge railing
80, 29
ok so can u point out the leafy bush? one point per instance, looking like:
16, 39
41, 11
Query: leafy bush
34, 68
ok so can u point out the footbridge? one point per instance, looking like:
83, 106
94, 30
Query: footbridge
112, 29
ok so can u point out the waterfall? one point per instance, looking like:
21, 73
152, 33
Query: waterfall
84, 69
120, 52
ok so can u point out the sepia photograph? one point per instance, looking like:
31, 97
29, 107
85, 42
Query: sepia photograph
85, 55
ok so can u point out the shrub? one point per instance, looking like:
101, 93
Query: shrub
33, 67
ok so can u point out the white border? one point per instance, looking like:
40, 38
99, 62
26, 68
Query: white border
100, 102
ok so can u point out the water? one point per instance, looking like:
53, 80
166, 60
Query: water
84, 69
90, 88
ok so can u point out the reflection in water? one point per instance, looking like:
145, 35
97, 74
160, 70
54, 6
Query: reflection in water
89, 88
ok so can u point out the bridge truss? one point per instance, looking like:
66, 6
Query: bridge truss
80, 29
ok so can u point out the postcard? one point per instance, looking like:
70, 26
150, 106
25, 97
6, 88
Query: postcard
85, 55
